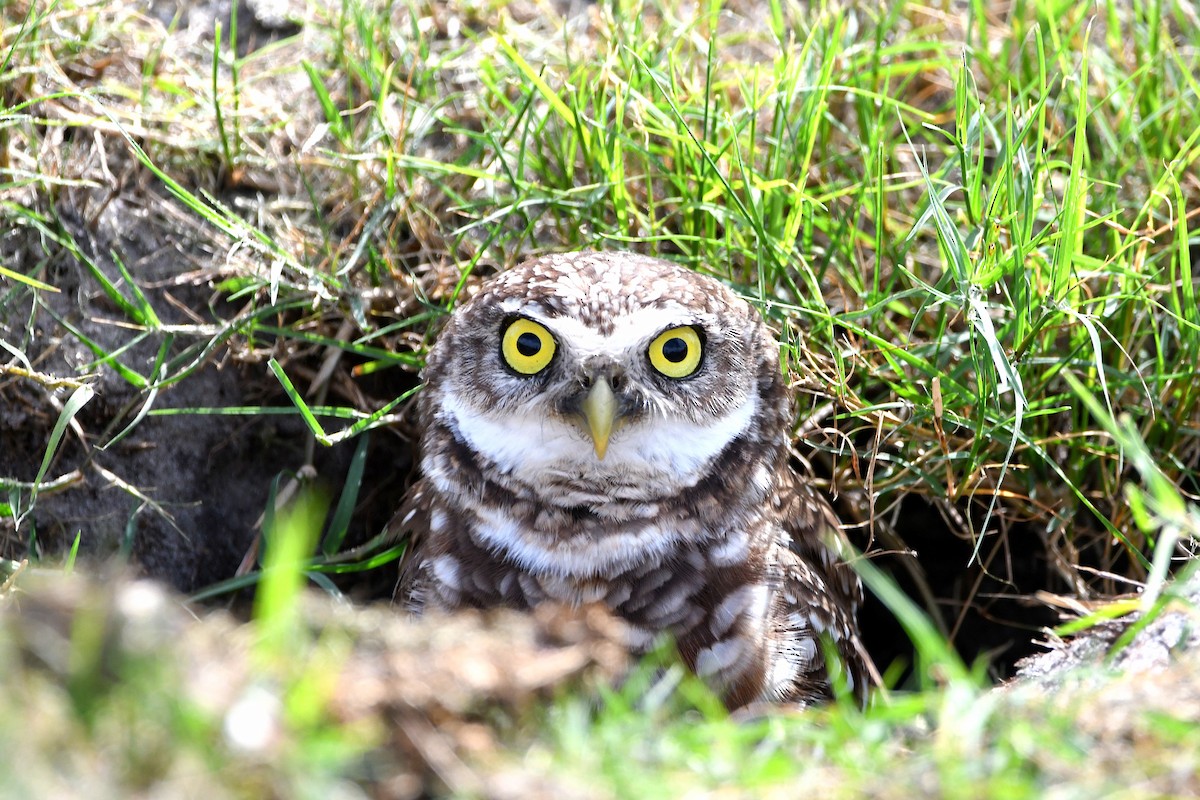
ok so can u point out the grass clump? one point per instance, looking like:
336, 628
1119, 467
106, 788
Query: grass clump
228, 242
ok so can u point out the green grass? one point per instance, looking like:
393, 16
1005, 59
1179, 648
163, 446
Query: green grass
974, 229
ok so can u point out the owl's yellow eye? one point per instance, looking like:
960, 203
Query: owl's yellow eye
676, 352
527, 346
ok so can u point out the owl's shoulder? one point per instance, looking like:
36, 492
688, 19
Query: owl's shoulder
817, 577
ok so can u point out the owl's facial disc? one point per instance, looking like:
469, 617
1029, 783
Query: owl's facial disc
633, 405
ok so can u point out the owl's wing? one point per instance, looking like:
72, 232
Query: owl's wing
815, 574
410, 524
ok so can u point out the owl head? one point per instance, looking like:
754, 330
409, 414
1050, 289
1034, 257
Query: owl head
580, 378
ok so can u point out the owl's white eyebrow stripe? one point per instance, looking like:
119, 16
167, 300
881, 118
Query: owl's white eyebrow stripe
633, 330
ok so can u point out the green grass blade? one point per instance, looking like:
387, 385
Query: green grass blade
339, 524
293, 536
333, 117
78, 399
305, 412
25, 279
1070, 241
144, 311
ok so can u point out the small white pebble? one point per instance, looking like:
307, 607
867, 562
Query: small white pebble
253, 722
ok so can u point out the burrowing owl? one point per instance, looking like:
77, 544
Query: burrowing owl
606, 427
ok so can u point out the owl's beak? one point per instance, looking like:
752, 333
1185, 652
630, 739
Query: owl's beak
600, 411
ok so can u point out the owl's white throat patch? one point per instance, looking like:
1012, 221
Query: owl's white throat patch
647, 460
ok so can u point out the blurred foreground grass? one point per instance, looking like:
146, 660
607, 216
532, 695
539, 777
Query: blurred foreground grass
114, 691
973, 224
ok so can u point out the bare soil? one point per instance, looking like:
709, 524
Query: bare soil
180, 496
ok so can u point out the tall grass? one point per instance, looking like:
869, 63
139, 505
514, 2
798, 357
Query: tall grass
973, 227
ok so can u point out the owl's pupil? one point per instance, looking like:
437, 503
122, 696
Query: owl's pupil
528, 344
675, 350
